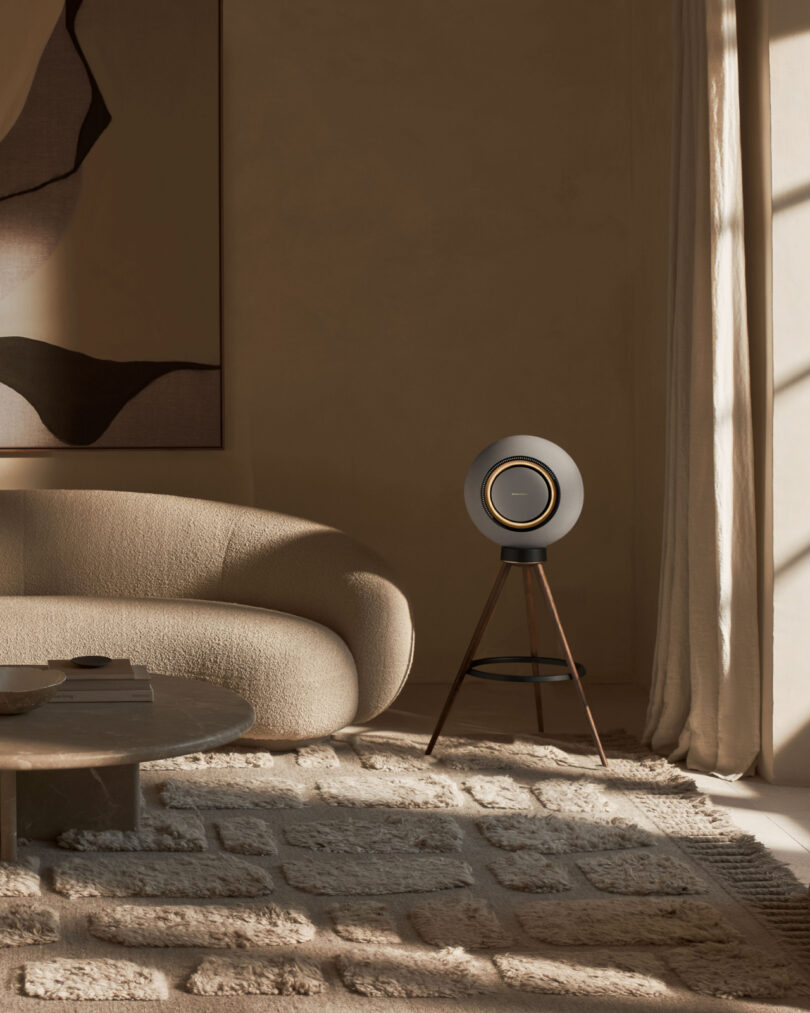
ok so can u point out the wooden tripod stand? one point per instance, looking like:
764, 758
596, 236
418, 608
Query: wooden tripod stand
531, 563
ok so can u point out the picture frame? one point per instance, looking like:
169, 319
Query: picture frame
110, 225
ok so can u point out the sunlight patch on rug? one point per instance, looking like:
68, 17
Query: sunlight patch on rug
158, 832
650, 774
391, 752
246, 835
212, 760
572, 796
531, 872
470, 922
78, 980
28, 925
318, 756
236, 927
272, 793
257, 975
495, 792
624, 922
640, 874
592, 973
164, 876
735, 971
519, 756
409, 974
371, 875
20, 879
364, 921
393, 832
558, 835
430, 791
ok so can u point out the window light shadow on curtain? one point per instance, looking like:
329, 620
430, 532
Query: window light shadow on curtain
705, 700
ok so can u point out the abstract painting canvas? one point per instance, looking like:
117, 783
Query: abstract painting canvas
110, 296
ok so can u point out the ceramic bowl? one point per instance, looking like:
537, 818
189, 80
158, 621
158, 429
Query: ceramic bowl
22, 689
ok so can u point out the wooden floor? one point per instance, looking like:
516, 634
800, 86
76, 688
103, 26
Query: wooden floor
778, 816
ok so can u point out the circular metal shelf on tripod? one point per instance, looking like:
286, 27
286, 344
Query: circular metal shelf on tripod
524, 660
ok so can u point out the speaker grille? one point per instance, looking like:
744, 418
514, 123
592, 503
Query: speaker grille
520, 493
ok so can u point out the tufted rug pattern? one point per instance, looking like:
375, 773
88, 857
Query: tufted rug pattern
362, 875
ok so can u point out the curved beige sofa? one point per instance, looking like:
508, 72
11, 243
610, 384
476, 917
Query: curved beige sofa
298, 618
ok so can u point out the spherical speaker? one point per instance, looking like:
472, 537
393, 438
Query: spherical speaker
524, 492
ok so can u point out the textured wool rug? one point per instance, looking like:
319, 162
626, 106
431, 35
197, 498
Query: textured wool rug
361, 875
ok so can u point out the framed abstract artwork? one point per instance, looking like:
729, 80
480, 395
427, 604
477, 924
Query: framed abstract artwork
110, 245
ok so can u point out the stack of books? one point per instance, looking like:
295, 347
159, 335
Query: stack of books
119, 681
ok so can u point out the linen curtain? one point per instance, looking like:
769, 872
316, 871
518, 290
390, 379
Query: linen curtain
705, 700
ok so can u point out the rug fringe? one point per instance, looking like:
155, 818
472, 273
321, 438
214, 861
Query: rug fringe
742, 864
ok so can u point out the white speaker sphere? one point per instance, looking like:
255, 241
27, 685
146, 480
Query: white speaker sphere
524, 492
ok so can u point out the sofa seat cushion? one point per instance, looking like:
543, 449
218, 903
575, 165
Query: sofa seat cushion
299, 676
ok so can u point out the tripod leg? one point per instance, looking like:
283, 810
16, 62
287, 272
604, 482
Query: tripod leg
534, 640
486, 615
541, 576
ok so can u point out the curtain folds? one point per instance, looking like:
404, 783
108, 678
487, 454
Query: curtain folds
705, 699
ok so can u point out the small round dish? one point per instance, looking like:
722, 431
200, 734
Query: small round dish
23, 688
91, 661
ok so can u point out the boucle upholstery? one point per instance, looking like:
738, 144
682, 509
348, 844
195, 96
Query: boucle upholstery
299, 618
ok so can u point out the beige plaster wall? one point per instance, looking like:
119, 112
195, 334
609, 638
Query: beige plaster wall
445, 222
787, 740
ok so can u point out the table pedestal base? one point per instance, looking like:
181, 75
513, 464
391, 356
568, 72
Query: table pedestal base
8, 815
43, 803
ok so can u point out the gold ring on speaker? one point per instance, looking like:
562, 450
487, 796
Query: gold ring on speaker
520, 463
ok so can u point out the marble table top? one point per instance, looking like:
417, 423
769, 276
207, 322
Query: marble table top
187, 715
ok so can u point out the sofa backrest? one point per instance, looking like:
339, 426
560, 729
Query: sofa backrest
144, 545
119, 544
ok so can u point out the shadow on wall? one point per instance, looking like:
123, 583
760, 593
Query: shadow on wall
216, 475
793, 753
788, 17
798, 557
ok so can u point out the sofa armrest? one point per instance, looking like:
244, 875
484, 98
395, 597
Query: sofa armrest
292, 565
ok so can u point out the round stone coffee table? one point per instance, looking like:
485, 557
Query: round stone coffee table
67, 765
